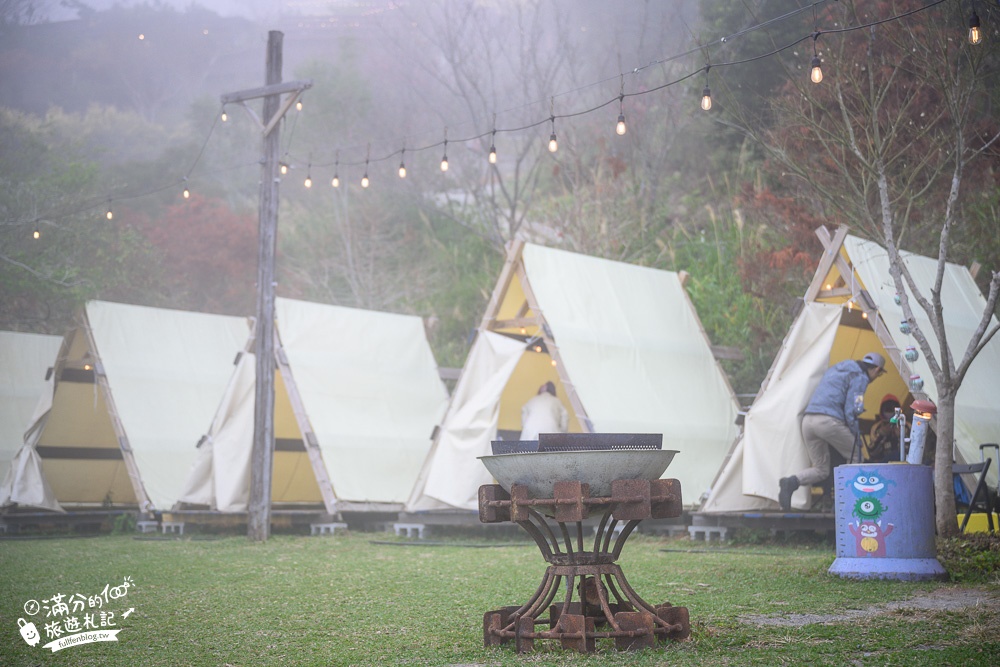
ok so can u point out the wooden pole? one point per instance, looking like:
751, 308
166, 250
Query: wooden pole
262, 457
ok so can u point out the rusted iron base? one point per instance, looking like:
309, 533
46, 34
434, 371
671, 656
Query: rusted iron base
598, 603
597, 600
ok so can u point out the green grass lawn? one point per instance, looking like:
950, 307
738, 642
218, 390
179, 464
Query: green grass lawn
344, 600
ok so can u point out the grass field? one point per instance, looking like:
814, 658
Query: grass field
364, 599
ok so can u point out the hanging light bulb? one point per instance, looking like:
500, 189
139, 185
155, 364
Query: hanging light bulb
186, 193
493, 142
109, 215
224, 116
298, 105
816, 73
335, 182
816, 69
308, 182
975, 34
402, 164
36, 234
706, 98
620, 128
283, 168
553, 144
444, 158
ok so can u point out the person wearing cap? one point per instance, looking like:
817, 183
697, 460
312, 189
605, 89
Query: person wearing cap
831, 420
543, 413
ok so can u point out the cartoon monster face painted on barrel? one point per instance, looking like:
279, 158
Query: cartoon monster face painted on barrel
869, 484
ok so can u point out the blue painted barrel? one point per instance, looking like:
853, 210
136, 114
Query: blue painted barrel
885, 522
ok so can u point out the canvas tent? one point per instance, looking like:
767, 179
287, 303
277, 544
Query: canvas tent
850, 309
131, 390
24, 358
626, 351
357, 395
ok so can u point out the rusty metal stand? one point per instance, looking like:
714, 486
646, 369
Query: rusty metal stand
598, 601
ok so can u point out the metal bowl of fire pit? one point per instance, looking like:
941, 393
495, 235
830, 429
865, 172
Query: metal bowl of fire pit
539, 471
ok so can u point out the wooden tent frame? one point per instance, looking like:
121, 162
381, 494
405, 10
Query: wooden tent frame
309, 439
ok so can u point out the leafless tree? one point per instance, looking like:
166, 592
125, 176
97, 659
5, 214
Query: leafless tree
894, 142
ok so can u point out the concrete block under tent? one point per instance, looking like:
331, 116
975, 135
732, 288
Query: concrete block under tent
625, 349
131, 390
24, 360
849, 310
357, 396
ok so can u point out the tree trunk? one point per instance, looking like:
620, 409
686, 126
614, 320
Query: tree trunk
944, 489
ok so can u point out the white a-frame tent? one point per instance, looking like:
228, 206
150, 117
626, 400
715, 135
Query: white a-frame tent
24, 359
357, 396
850, 309
131, 389
626, 351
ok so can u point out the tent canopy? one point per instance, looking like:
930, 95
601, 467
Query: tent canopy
362, 385
131, 392
625, 349
850, 310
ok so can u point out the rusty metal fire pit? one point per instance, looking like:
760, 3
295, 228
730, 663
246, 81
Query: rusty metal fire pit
598, 601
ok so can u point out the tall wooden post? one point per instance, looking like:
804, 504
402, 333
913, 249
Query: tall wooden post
262, 457
259, 506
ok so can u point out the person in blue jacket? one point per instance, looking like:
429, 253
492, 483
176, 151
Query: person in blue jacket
831, 420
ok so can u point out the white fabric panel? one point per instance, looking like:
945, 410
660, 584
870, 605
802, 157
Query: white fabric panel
634, 349
370, 386
977, 409
24, 358
167, 370
220, 476
24, 483
452, 474
771, 445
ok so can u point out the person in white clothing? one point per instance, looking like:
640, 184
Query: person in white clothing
543, 413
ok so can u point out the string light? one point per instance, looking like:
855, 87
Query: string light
706, 93
553, 144
975, 34
298, 105
620, 128
975, 37
402, 163
816, 71
36, 234
309, 181
444, 158
283, 167
109, 215
336, 179
493, 142
186, 193
364, 179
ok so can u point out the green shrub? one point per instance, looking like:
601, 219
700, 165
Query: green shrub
972, 558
